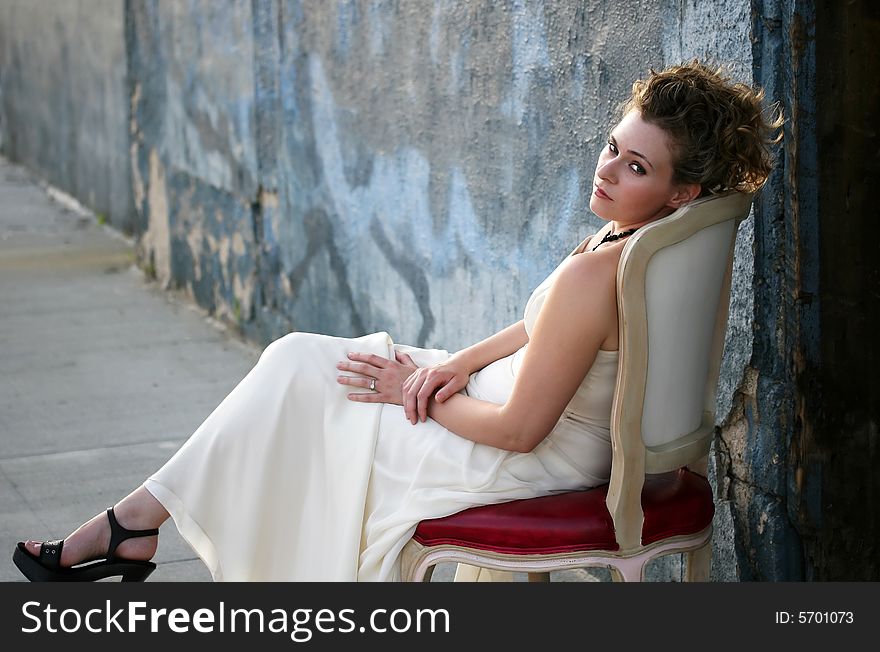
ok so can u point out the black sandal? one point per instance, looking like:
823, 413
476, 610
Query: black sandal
47, 566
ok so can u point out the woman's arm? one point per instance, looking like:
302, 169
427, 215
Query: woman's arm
501, 344
394, 377
443, 380
579, 312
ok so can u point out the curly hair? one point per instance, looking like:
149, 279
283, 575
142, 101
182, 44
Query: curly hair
721, 137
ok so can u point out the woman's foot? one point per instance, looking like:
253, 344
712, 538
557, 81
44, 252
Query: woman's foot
91, 540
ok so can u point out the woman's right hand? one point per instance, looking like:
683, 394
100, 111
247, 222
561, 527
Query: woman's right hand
445, 379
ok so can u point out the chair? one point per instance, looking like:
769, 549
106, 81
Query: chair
673, 287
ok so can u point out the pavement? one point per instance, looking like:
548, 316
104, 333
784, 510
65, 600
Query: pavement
103, 374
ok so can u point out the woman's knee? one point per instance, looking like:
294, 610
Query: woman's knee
287, 347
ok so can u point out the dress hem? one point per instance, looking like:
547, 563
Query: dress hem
191, 532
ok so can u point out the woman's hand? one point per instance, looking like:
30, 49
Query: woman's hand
389, 376
445, 379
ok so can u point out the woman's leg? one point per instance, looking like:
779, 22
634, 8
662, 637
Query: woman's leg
137, 511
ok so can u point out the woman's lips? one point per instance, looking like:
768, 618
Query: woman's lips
601, 194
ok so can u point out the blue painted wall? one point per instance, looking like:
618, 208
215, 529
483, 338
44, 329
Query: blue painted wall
410, 170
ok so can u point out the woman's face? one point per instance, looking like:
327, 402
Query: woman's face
633, 180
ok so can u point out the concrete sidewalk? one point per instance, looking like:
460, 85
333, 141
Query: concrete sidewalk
102, 375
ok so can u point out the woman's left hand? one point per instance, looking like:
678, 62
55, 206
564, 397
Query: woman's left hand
388, 374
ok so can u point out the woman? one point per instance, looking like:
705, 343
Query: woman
324, 458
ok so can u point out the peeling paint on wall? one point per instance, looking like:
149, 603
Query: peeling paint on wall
156, 240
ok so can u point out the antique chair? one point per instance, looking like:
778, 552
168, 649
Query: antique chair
673, 286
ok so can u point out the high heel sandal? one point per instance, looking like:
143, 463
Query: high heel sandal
47, 566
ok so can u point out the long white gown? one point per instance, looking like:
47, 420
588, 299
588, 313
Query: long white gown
289, 480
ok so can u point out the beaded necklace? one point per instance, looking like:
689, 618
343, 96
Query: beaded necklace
610, 238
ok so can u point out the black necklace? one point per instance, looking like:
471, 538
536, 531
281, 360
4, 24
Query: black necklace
610, 238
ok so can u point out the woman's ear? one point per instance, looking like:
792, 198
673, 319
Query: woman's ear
683, 194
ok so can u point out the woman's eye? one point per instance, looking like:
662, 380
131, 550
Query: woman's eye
635, 167
612, 147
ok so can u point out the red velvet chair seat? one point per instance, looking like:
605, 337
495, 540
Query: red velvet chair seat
675, 503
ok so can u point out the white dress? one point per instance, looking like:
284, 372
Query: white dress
289, 480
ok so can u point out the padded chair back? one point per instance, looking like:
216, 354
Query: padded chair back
673, 289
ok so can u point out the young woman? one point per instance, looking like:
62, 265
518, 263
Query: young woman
321, 462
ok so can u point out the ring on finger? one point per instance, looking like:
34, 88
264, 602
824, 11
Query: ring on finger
372, 384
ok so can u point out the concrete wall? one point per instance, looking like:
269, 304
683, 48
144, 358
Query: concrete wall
193, 149
63, 99
764, 477
405, 169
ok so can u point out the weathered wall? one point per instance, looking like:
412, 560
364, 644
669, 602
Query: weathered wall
63, 99
193, 149
395, 168
767, 482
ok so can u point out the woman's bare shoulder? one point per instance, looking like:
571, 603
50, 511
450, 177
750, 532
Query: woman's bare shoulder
591, 269
585, 296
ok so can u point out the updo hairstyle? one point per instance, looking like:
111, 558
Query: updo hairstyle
721, 137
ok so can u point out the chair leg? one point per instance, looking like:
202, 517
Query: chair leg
698, 563
492, 575
539, 577
627, 570
466, 573
408, 558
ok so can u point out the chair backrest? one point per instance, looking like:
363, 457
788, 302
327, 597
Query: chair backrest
673, 289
